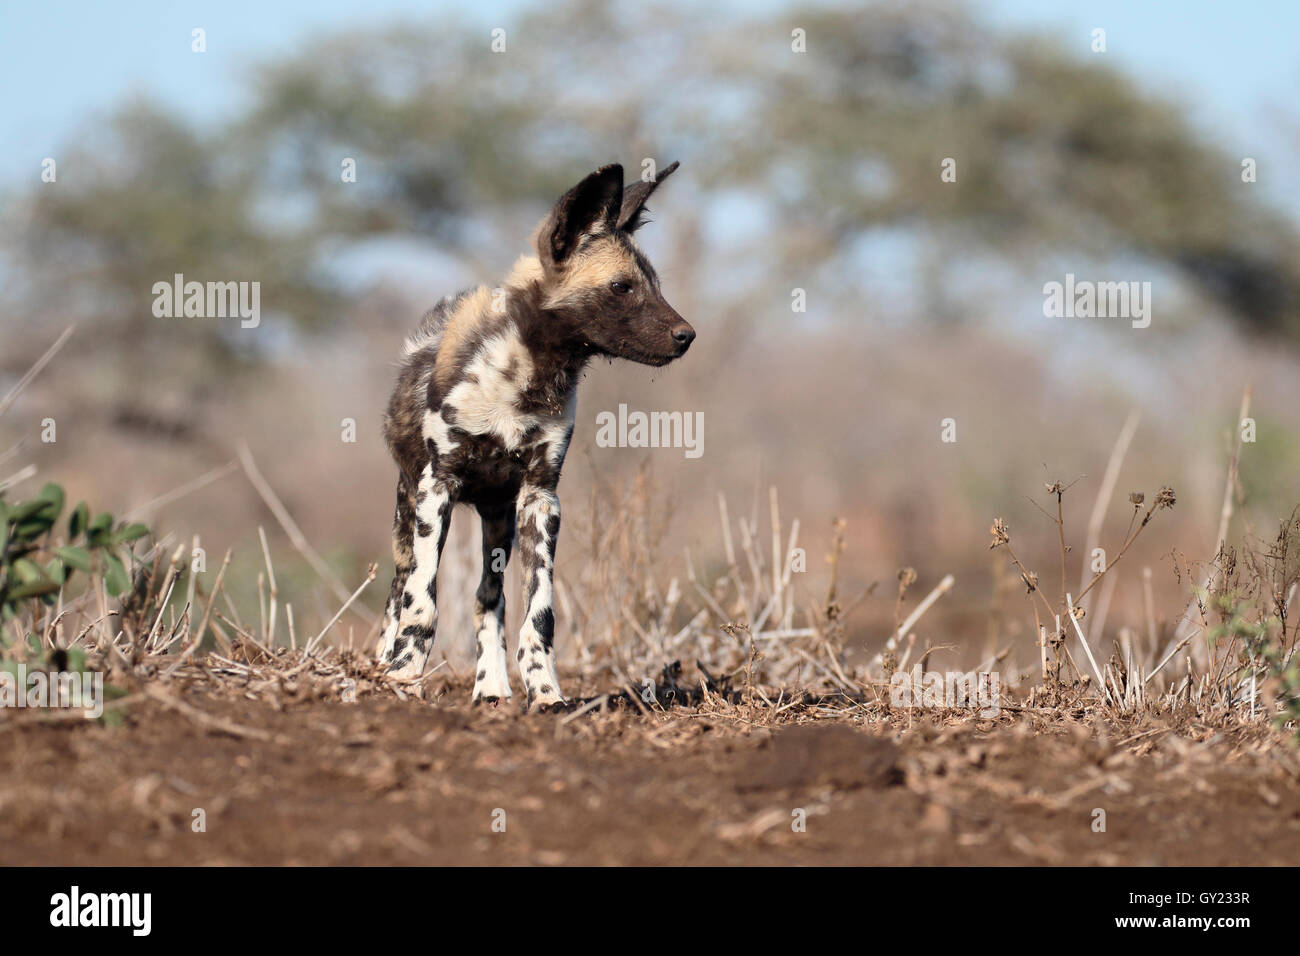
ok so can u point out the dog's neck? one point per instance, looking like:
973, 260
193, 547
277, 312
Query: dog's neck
558, 363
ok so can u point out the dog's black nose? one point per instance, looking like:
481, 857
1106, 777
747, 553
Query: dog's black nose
683, 335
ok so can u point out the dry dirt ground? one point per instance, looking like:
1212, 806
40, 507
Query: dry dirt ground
387, 781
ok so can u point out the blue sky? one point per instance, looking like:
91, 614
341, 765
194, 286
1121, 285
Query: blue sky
1235, 65
62, 63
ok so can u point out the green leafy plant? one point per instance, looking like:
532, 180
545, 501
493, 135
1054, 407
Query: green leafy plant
35, 565
1260, 648
1286, 674
73, 660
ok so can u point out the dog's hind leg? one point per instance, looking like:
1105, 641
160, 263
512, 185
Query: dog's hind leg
491, 679
539, 526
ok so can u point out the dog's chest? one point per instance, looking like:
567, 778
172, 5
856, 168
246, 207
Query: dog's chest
490, 429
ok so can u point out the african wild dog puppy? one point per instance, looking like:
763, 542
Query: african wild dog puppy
484, 409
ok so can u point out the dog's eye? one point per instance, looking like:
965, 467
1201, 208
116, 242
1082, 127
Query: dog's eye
620, 288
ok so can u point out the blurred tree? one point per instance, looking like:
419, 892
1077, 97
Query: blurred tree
1055, 154
142, 200
458, 144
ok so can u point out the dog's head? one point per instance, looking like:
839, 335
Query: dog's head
597, 282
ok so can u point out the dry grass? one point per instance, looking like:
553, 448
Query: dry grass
738, 633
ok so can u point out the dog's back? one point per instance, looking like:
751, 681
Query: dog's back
449, 323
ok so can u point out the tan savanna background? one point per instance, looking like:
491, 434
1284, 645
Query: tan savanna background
814, 170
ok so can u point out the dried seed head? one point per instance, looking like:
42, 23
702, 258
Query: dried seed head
1230, 563
1055, 488
1165, 497
906, 577
1079, 612
1001, 535
889, 663
1135, 498
1030, 581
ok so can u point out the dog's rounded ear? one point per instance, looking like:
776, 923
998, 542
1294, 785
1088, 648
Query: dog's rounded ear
630, 215
588, 209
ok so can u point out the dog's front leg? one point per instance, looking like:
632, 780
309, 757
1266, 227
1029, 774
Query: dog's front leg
419, 615
538, 518
403, 546
491, 682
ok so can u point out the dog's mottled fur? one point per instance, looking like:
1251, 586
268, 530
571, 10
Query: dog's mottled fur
484, 409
